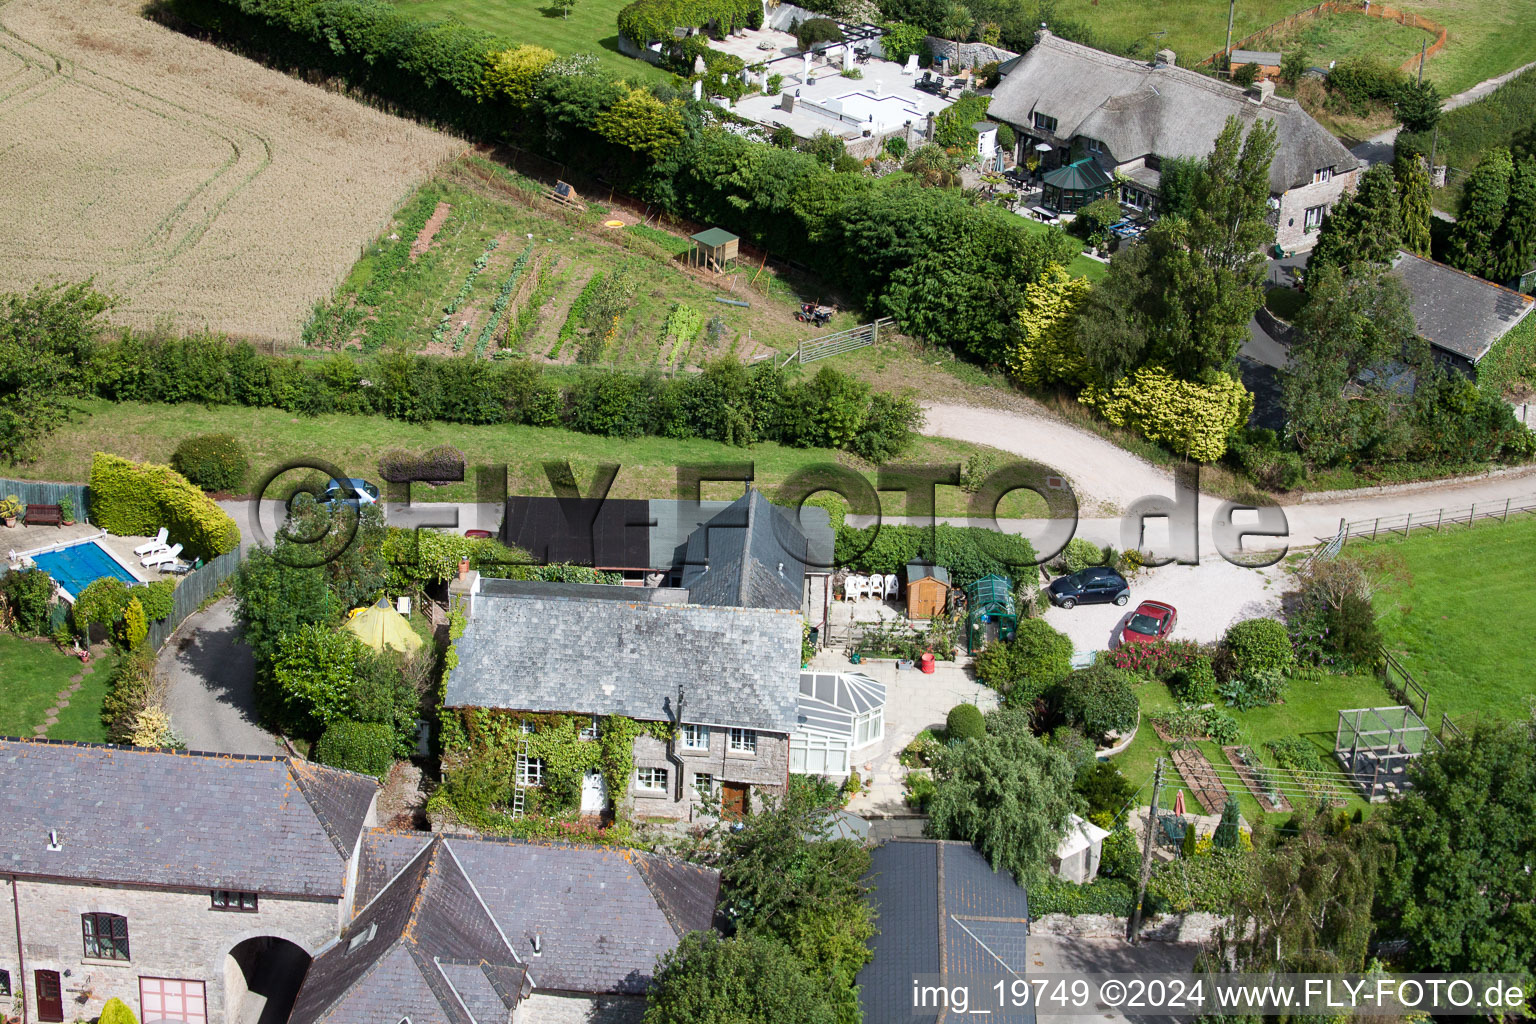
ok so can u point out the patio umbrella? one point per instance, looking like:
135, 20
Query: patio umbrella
1178, 804
1043, 147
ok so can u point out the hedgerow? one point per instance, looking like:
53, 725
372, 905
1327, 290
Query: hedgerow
366, 747
647, 20
137, 499
1189, 418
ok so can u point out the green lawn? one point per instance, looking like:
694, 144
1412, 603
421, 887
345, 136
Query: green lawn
1461, 619
1337, 36
1486, 39
591, 28
1081, 266
1310, 711
35, 673
354, 443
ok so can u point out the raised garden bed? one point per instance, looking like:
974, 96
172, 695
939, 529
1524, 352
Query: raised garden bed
1201, 779
1253, 772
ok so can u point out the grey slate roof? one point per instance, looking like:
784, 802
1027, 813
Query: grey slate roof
736, 665
427, 942
986, 925
1456, 311
926, 570
751, 555
1263, 58
203, 821
677, 521
603, 914
1135, 109
583, 591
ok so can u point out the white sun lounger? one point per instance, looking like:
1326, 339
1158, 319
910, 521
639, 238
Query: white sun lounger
165, 557
151, 546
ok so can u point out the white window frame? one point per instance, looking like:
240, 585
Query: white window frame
695, 737
870, 725
651, 780
1308, 223
591, 730
703, 785
530, 771
1322, 175
526, 726
815, 754
743, 741
1092, 145
1045, 123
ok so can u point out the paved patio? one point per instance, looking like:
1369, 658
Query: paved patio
28, 538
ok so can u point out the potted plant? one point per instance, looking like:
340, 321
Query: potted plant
10, 508
67, 510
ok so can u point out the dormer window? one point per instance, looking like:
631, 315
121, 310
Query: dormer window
1044, 123
1092, 145
362, 938
1322, 175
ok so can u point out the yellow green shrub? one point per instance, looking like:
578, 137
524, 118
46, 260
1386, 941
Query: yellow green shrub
136, 499
1183, 416
1045, 351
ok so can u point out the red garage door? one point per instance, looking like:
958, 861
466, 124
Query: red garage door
171, 999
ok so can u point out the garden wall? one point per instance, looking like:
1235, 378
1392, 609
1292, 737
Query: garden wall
1370, 10
966, 55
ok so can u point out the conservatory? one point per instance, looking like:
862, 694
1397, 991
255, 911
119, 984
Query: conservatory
838, 714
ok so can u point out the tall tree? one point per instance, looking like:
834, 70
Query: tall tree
46, 336
1230, 222
710, 980
1514, 246
1414, 207
1483, 200
1293, 64
1362, 228
1352, 322
1462, 891
1417, 105
1007, 793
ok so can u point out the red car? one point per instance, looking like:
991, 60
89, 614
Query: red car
1152, 620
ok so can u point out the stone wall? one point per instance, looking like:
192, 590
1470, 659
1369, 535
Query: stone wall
171, 934
1191, 927
765, 771
966, 55
1291, 233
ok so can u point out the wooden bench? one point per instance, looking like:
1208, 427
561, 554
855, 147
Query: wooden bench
44, 515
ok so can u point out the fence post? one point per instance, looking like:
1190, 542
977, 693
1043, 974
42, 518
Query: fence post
1438, 519
1375, 527
1471, 515
1506, 511
1408, 530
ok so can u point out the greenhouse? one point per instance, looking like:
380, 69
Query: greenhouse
989, 612
838, 714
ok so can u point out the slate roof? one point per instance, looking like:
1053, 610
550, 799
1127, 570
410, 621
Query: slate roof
426, 948
1134, 109
603, 914
607, 532
737, 666
1263, 58
1456, 311
156, 817
751, 555
583, 591
921, 888
927, 571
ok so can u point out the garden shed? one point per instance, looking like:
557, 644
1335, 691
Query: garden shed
836, 714
1070, 188
928, 589
713, 250
990, 612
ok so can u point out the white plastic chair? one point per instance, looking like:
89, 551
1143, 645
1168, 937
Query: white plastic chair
150, 546
873, 586
159, 558
851, 585
892, 585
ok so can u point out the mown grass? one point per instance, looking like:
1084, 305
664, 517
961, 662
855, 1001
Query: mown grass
1469, 132
1081, 266
1344, 34
592, 27
272, 437
1460, 618
1310, 712
36, 672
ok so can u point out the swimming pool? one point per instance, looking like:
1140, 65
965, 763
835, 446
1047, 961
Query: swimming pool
77, 566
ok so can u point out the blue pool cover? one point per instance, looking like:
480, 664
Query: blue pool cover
77, 567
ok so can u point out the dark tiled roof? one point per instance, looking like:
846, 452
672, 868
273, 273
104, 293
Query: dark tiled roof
427, 916
156, 817
1136, 109
751, 555
983, 915
612, 532
737, 665
384, 853
1456, 311
925, 571
585, 591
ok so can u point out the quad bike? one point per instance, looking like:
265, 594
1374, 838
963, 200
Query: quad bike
810, 313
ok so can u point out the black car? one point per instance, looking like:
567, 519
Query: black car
1095, 585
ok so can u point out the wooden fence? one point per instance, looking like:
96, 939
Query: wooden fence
195, 588
843, 341
36, 492
1372, 10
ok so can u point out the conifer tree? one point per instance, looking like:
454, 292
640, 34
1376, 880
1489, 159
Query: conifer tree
1514, 246
1483, 200
1413, 203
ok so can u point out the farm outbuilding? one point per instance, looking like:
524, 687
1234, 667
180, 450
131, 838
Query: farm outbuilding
990, 612
928, 589
713, 250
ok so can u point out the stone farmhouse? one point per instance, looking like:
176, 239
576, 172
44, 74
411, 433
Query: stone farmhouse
220, 889
1112, 120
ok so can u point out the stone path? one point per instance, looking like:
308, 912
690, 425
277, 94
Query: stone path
61, 700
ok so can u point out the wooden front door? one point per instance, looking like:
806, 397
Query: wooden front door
50, 996
733, 799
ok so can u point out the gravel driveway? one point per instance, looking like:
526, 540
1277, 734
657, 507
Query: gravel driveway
210, 685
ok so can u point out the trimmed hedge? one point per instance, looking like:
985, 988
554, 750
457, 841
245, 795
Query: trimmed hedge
1258, 645
215, 462
1053, 895
965, 722
137, 499
366, 747
647, 20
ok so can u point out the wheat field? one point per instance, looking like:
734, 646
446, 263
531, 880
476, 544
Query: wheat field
201, 188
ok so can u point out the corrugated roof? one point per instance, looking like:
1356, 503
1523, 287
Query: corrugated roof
1456, 311
737, 666
1136, 109
183, 819
1264, 58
